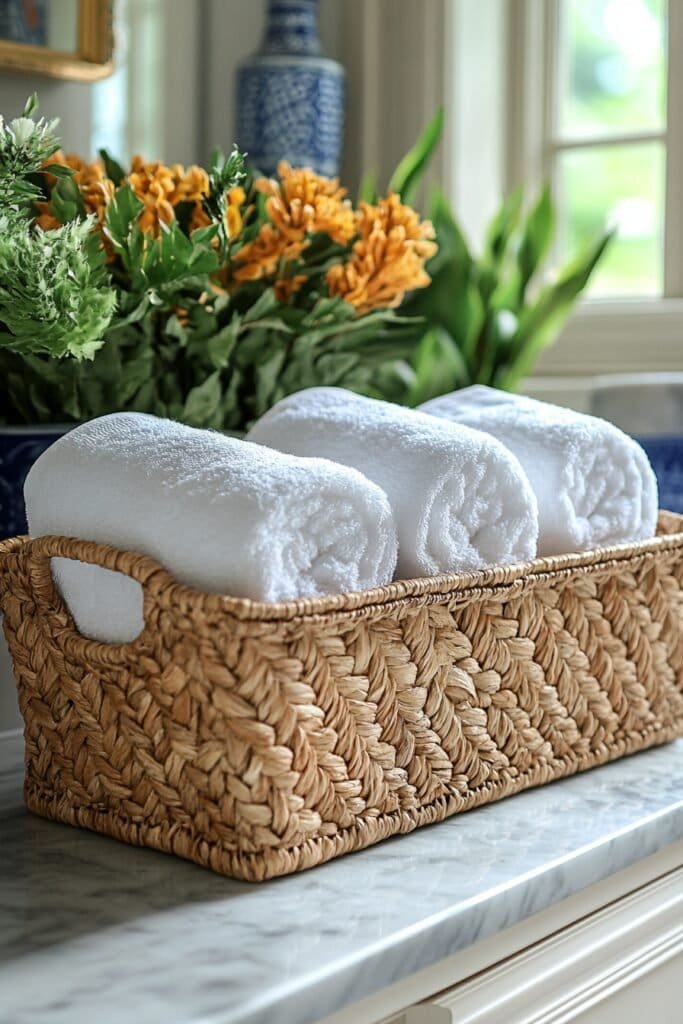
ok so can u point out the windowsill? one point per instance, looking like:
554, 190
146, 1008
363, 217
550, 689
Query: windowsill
628, 336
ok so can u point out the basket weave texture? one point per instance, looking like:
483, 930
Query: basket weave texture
259, 739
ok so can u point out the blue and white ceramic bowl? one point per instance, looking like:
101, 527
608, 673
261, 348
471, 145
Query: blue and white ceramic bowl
650, 408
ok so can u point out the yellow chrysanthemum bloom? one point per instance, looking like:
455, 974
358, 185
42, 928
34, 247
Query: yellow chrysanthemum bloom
261, 258
301, 203
93, 183
155, 184
387, 259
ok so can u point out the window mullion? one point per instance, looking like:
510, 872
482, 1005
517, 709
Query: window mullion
623, 139
673, 215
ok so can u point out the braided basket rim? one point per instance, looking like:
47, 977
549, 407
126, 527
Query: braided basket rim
462, 588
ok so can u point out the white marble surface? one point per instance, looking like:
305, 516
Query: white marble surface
92, 930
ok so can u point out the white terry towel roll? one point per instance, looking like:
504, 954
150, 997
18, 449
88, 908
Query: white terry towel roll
594, 484
460, 500
220, 514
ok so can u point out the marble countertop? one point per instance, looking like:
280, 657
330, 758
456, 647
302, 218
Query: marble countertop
94, 930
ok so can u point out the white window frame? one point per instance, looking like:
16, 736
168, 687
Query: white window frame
625, 335
484, 60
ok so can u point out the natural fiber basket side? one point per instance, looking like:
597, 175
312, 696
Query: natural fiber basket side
264, 739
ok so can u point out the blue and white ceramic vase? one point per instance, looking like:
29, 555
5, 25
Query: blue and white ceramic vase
290, 99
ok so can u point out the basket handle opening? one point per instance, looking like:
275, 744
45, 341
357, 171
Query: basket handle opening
111, 595
106, 605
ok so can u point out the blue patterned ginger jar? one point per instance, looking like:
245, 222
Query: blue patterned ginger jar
290, 99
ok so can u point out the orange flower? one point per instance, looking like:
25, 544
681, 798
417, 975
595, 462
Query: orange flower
155, 184
301, 203
93, 183
288, 286
237, 197
387, 259
261, 258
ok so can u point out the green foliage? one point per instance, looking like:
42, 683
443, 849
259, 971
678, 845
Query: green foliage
224, 174
120, 318
407, 177
156, 268
54, 296
25, 145
488, 316
176, 342
222, 368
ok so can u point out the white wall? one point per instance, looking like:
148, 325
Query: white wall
70, 101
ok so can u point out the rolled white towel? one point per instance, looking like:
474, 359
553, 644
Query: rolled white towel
220, 514
594, 484
460, 500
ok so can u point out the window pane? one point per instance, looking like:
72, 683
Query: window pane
612, 67
623, 187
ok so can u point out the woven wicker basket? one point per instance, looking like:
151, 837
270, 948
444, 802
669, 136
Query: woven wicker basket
264, 739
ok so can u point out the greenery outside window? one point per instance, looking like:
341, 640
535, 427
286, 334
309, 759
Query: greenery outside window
596, 96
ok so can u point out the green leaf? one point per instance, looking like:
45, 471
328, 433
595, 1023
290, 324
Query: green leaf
367, 190
453, 247
31, 105
502, 227
267, 374
220, 346
439, 367
122, 214
174, 329
266, 303
536, 238
59, 171
407, 177
203, 401
334, 367
67, 200
540, 323
113, 169
452, 301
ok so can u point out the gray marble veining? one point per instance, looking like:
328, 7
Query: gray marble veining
92, 930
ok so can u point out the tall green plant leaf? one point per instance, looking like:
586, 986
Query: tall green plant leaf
367, 190
502, 227
408, 175
536, 238
540, 322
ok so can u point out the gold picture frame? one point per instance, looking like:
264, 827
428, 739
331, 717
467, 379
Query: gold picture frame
92, 58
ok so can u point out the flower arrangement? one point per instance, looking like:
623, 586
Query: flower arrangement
206, 295
203, 295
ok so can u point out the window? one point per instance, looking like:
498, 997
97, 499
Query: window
608, 136
596, 106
